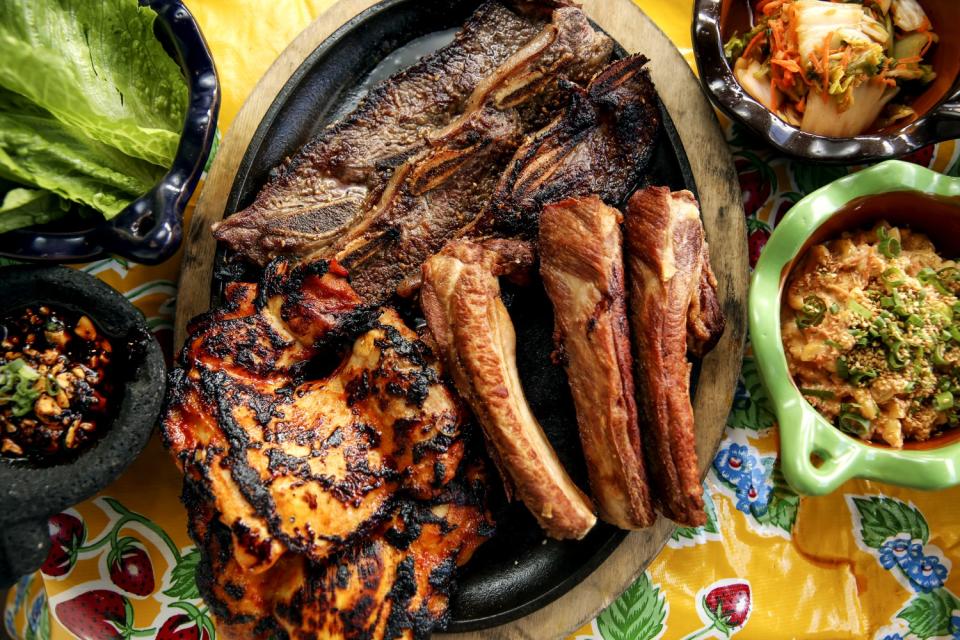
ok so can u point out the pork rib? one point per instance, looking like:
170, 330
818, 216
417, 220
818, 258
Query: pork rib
601, 144
468, 321
581, 261
669, 294
501, 59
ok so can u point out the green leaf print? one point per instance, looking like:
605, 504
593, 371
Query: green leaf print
636, 615
183, 580
810, 176
784, 502
928, 614
752, 410
882, 518
690, 533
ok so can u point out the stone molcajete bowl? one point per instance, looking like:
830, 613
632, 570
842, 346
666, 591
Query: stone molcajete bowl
31, 493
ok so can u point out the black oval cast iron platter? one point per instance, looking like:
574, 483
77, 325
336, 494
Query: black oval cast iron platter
518, 571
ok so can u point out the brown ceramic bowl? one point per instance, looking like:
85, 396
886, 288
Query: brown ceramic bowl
938, 108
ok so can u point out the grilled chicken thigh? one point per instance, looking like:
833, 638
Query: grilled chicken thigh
299, 474
673, 307
581, 261
461, 301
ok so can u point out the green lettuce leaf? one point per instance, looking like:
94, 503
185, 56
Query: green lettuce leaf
25, 207
37, 149
97, 66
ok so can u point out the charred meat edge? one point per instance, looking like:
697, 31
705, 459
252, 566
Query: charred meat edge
666, 252
581, 262
474, 333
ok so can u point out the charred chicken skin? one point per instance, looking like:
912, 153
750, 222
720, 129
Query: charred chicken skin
461, 301
673, 310
581, 261
299, 474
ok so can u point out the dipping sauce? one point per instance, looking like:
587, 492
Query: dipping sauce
54, 380
868, 329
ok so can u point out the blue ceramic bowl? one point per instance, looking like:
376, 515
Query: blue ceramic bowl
149, 230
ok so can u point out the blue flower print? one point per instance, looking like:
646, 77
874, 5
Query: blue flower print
927, 574
21, 593
8, 621
893, 636
33, 620
955, 624
753, 492
894, 551
731, 463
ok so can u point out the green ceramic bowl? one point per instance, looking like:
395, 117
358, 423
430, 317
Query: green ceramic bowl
815, 456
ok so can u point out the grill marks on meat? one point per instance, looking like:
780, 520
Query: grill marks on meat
581, 261
322, 189
672, 295
394, 584
461, 301
301, 473
438, 192
500, 61
601, 144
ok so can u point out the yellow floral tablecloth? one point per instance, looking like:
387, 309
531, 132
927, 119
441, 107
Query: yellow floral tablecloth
869, 561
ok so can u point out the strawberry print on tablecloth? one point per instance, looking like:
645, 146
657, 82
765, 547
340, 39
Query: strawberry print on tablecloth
869, 562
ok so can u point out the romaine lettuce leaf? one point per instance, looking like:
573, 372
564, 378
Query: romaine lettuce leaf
25, 207
36, 149
97, 66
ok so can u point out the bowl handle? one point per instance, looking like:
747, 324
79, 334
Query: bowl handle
838, 459
23, 548
946, 119
149, 230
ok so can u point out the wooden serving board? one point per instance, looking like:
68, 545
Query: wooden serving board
719, 193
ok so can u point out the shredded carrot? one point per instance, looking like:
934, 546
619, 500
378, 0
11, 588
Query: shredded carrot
753, 42
789, 65
801, 106
771, 7
826, 63
909, 60
926, 47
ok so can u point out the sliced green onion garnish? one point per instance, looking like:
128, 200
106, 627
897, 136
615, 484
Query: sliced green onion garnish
860, 310
943, 401
896, 358
889, 247
833, 343
929, 276
954, 332
850, 421
823, 394
937, 355
915, 320
893, 277
949, 274
812, 312
862, 376
834, 308
843, 369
